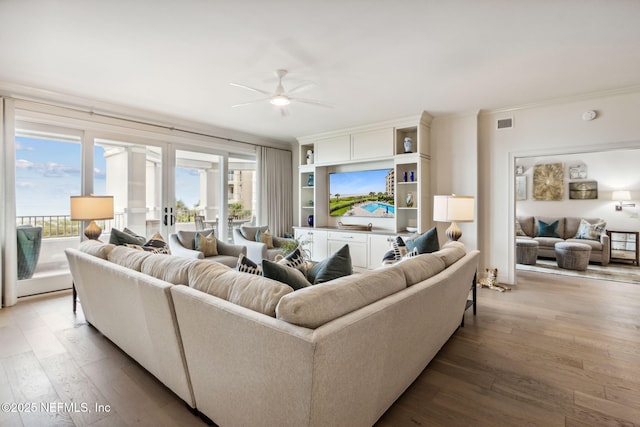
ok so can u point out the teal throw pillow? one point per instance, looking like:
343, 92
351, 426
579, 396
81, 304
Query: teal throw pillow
282, 273
118, 237
548, 230
425, 243
337, 265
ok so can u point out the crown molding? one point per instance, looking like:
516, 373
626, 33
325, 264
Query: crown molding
563, 100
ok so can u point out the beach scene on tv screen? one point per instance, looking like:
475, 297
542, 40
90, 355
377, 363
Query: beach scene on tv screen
366, 193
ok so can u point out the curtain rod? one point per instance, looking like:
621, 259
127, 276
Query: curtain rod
141, 122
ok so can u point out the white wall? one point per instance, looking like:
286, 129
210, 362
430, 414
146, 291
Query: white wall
454, 166
552, 129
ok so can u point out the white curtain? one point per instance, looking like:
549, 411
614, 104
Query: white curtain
8, 244
275, 190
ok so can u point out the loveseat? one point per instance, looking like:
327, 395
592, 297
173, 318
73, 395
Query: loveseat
247, 350
567, 229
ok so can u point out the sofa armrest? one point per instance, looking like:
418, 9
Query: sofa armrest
179, 250
256, 251
231, 250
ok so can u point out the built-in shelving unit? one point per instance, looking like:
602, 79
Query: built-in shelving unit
360, 148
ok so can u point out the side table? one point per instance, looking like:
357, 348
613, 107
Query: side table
623, 246
471, 302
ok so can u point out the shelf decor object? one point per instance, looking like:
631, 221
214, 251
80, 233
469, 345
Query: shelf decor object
583, 190
408, 144
91, 208
453, 209
622, 196
310, 180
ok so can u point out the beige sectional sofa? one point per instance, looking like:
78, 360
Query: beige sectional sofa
247, 350
567, 230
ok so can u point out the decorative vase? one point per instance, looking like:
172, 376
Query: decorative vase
404, 176
413, 176
310, 220
310, 181
409, 200
309, 157
408, 144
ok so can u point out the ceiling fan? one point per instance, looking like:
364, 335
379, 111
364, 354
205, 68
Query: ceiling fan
280, 97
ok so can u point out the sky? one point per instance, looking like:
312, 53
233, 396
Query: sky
358, 183
48, 172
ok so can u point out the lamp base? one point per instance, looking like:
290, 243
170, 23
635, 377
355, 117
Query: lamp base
453, 232
93, 231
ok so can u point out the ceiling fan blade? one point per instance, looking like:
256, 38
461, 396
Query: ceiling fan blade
311, 101
250, 102
264, 92
302, 87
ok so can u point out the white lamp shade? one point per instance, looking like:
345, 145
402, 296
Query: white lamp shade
453, 208
89, 208
621, 195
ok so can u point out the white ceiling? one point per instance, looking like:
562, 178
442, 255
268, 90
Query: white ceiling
372, 60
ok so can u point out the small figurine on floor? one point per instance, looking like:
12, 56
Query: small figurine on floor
491, 281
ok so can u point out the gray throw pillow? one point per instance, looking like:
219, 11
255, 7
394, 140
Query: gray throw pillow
337, 265
118, 237
426, 243
284, 274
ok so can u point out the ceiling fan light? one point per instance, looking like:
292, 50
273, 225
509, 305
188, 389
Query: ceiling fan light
280, 101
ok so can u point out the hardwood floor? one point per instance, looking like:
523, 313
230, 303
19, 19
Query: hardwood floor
555, 351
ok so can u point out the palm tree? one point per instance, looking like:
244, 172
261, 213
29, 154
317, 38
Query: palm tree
337, 196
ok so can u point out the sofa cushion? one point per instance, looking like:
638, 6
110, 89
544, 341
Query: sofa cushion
172, 269
316, 305
451, 252
596, 245
96, 248
519, 231
294, 259
282, 273
206, 244
548, 229
419, 268
425, 243
247, 290
337, 265
590, 231
157, 244
128, 257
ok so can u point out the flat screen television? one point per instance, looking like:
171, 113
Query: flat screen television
367, 193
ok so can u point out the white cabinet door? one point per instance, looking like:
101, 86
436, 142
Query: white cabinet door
333, 150
313, 241
357, 250
378, 246
375, 144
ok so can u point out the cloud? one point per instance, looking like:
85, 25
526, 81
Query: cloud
99, 173
24, 184
24, 164
23, 147
55, 170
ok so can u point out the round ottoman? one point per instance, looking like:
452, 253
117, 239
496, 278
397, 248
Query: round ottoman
526, 251
572, 256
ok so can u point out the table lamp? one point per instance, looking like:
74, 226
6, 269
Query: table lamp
453, 209
91, 208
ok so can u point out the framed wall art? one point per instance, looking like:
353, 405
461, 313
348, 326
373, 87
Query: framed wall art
548, 182
584, 190
521, 187
578, 171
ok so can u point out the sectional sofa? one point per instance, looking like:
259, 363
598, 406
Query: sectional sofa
247, 350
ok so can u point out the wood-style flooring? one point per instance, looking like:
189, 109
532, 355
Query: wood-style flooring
555, 351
